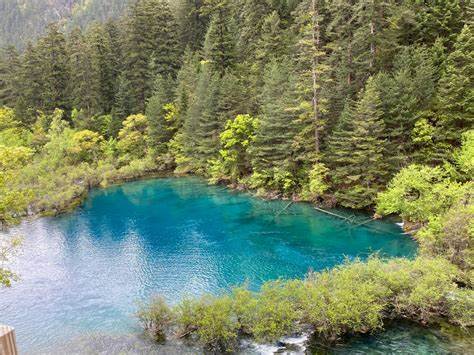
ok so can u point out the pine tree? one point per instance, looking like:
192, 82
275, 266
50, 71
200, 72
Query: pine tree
9, 80
85, 79
204, 110
192, 23
356, 154
372, 42
106, 62
312, 59
456, 90
123, 105
149, 37
31, 84
274, 137
160, 131
219, 44
167, 51
253, 15
405, 95
54, 63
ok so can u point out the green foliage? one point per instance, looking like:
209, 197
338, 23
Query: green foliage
317, 182
234, 162
455, 96
132, 138
465, 156
452, 235
356, 157
418, 193
155, 317
354, 298
211, 318
8, 249
85, 146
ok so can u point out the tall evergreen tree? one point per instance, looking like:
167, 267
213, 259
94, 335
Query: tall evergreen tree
192, 23
252, 15
9, 80
85, 79
54, 63
356, 156
274, 137
456, 90
160, 131
149, 37
312, 58
220, 41
106, 61
204, 109
405, 95
31, 84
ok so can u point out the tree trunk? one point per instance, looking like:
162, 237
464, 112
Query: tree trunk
316, 34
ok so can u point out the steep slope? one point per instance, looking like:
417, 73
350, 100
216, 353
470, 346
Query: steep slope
24, 20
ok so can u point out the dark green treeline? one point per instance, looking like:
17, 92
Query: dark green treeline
340, 94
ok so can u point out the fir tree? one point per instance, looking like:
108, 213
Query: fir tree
356, 157
105, 59
219, 44
314, 71
204, 111
456, 90
9, 80
274, 137
54, 63
160, 131
85, 79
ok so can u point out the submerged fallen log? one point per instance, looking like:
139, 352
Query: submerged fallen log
334, 214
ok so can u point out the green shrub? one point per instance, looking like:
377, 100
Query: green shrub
155, 317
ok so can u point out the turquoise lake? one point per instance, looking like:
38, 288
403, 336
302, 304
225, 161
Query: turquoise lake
84, 272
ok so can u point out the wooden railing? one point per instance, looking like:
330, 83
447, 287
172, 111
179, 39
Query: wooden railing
7, 341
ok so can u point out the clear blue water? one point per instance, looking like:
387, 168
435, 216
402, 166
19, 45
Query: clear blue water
84, 272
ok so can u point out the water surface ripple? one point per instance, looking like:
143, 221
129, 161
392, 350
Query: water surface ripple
84, 272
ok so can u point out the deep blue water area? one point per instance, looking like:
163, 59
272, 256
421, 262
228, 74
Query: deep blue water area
85, 271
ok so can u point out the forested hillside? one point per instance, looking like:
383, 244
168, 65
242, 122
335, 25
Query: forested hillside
25, 20
324, 99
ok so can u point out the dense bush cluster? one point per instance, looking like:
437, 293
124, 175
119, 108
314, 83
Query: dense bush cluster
353, 298
51, 168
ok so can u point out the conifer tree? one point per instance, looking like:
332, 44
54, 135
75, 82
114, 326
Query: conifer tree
356, 157
149, 37
9, 80
204, 111
456, 90
123, 104
314, 72
192, 23
405, 95
160, 131
220, 41
85, 79
54, 63
166, 58
253, 15
105, 59
31, 84
274, 137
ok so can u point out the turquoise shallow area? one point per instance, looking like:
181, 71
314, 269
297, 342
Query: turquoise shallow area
84, 272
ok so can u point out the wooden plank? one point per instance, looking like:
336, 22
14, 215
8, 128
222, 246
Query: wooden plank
7, 341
